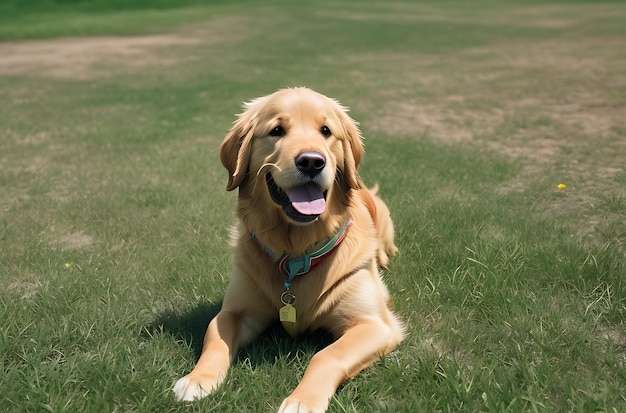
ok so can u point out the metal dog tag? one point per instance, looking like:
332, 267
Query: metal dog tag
288, 319
287, 313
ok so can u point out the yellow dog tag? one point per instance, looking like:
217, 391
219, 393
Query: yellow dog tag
288, 319
287, 314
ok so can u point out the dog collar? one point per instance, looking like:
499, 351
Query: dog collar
291, 267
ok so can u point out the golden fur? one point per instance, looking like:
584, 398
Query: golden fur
344, 293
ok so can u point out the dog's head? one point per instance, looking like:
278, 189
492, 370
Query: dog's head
297, 148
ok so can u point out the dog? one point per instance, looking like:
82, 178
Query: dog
307, 247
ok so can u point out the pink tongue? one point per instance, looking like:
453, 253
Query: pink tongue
307, 199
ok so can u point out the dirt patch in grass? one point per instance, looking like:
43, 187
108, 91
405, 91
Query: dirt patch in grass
473, 93
437, 121
77, 58
556, 106
84, 58
75, 240
530, 102
26, 289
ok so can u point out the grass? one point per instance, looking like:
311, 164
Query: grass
114, 221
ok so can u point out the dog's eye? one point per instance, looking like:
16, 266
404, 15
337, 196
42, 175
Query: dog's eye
325, 131
278, 131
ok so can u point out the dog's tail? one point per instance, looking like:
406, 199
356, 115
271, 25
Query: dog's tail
382, 221
374, 190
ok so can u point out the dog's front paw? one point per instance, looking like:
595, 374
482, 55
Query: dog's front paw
190, 387
293, 405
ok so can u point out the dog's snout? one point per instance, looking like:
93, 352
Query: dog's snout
310, 163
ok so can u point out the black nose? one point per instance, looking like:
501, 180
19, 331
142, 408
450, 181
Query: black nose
310, 163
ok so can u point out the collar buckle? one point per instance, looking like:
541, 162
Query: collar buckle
294, 266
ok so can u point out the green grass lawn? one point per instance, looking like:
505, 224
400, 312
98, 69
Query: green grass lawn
114, 220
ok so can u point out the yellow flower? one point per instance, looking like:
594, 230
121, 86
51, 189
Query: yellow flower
561, 186
68, 265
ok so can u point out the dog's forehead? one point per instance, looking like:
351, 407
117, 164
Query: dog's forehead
303, 105
306, 99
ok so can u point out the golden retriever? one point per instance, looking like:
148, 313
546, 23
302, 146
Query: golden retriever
307, 246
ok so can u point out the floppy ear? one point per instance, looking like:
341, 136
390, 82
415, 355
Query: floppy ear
352, 147
235, 148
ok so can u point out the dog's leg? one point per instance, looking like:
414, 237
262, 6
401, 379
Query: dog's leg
356, 349
221, 341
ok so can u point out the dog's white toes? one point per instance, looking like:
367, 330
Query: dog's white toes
188, 390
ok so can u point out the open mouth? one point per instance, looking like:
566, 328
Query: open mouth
302, 204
